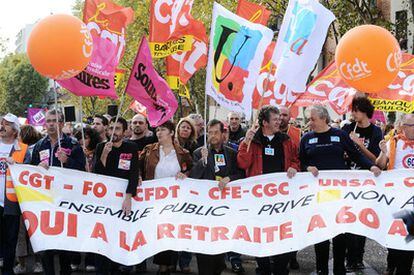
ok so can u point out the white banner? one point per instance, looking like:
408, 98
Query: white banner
300, 42
237, 48
259, 216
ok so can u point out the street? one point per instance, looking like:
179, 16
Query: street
375, 261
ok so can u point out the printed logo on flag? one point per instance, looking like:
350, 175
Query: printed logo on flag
234, 48
301, 26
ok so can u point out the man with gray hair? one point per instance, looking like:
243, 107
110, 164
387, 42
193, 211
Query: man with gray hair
11, 151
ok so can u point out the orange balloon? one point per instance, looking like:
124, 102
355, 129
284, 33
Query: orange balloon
60, 46
368, 58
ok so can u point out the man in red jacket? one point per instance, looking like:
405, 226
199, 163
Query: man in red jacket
267, 150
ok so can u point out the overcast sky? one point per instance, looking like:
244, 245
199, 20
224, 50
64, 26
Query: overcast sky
15, 14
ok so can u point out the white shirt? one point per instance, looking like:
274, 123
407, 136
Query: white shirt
404, 158
167, 166
5, 150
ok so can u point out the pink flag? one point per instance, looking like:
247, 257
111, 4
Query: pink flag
147, 87
98, 77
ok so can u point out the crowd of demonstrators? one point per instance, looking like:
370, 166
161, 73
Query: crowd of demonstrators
276, 143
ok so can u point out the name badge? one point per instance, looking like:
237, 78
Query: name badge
335, 139
219, 160
124, 164
269, 151
44, 155
313, 141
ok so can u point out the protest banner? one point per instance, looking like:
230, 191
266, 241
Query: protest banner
300, 40
150, 89
260, 216
107, 23
236, 52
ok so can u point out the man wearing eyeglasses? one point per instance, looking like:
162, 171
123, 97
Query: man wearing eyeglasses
70, 155
398, 153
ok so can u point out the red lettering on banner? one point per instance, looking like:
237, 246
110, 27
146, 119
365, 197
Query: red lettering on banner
122, 241
398, 227
201, 232
270, 233
138, 241
157, 193
98, 189
241, 233
165, 231
409, 182
45, 223
345, 216
366, 214
233, 192
184, 231
219, 233
31, 218
36, 180
257, 236
286, 231
346, 183
316, 222
270, 189
99, 232
72, 225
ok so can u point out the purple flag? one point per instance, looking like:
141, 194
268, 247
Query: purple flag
36, 116
151, 90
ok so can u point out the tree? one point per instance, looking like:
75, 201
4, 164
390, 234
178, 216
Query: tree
20, 84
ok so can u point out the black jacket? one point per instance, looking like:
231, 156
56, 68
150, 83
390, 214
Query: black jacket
207, 172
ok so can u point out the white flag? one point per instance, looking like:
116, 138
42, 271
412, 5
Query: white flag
300, 41
237, 49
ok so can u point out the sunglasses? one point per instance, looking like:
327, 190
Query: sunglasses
408, 125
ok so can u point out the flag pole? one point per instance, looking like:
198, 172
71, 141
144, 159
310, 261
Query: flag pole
205, 123
253, 126
83, 132
117, 115
57, 116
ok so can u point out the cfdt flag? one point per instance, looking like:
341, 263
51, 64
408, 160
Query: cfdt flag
172, 27
236, 52
300, 42
150, 89
107, 24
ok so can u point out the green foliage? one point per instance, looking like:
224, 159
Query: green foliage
20, 84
